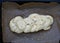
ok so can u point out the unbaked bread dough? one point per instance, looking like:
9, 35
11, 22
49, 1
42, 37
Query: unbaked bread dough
33, 23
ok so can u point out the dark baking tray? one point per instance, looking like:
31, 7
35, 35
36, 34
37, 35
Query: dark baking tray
12, 9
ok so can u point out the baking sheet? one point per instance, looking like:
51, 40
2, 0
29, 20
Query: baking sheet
12, 9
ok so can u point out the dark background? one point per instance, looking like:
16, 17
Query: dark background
20, 2
35, 0
0, 23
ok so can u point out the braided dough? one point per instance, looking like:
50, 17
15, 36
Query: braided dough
33, 23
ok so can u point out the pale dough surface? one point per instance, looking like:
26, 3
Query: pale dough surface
33, 23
